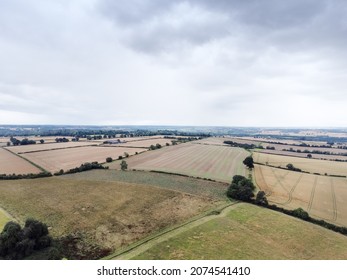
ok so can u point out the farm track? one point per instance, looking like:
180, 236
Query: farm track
293, 189
334, 199
312, 194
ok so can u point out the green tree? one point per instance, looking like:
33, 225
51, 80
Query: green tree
309, 155
42, 141
261, 198
123, 165
290, 166
249, 162
241, 188
108, 159
301, 213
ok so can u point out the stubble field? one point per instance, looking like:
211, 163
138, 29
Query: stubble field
322, 197
305, 164
10, 163
206, 161
54, 160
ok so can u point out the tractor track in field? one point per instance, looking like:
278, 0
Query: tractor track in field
312, 194
292, 190
334, 199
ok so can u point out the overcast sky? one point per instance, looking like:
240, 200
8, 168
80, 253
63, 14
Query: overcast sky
172, 62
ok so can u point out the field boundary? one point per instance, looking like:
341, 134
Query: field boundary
215, 212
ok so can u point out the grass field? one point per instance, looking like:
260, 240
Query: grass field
3, 219
173, 182
322, 197
10, 163
249, 232
305, 164
54, 160
108, 214
205, 161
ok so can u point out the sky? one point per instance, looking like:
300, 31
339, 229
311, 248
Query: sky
172, 62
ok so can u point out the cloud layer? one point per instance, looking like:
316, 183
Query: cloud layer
226, 62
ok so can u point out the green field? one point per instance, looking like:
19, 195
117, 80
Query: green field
3, 219
167, 181
249, 232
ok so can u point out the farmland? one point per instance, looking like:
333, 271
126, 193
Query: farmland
322, 197
246, 232
4, 218
304, 155
46, 147
205, 161
305, 164
54, 160
108, 214
144, 143
10, 163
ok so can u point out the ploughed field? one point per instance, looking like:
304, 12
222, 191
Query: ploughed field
206, 161
106, 213
10, 163
54, 160
323, 197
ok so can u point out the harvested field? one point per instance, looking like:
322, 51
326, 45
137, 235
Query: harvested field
246, 232
304, 155
305, 164
47, 147
321, 196
213, 141
130, 139
105, 214
189, 185
10, 163
143, 143
54, 160
206, 161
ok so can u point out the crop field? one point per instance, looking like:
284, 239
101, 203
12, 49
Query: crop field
305, 164
322, 197
205, 161
54, 160
129, 139
304, 155
46, 147
213, 141
10, 163
106, 214
246, 232
144, 143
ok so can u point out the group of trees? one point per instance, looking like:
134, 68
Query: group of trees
242, 188
61, 140
291, 167
157, 146
18, 243
83, 167
16, 142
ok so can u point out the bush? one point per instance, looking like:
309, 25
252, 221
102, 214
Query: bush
109, 159
261, 198
123, 165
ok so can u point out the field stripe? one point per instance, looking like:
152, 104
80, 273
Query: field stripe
334, 199
312, 194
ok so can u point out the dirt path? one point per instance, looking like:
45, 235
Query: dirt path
147, 244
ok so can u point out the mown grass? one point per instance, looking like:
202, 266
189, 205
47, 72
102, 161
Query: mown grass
251, 232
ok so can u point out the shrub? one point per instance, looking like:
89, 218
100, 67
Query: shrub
109, 159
